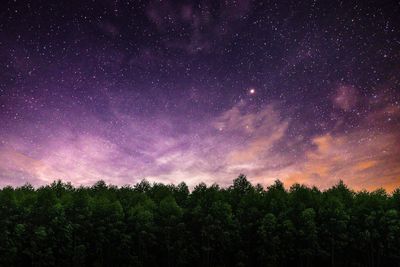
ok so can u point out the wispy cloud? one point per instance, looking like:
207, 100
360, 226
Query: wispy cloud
240, 140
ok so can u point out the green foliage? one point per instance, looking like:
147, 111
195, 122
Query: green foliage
167, 225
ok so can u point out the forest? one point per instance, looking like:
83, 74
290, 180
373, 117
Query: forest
152, 224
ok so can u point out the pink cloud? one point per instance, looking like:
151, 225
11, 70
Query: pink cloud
346, 97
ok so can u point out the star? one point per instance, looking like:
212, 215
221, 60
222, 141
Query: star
196, 83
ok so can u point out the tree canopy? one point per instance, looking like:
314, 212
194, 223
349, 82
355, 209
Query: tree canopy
167, 225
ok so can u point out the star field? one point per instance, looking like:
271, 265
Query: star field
301, 91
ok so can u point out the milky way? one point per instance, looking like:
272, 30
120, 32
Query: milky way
170, 91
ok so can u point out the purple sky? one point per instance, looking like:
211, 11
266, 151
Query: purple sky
170, 91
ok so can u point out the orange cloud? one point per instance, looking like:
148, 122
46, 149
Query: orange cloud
361, 159
364, 165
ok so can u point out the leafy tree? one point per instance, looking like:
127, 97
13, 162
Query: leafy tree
167, 225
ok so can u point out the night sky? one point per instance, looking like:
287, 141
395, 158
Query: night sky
171, 91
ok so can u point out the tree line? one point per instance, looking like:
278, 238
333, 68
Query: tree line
167, 225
